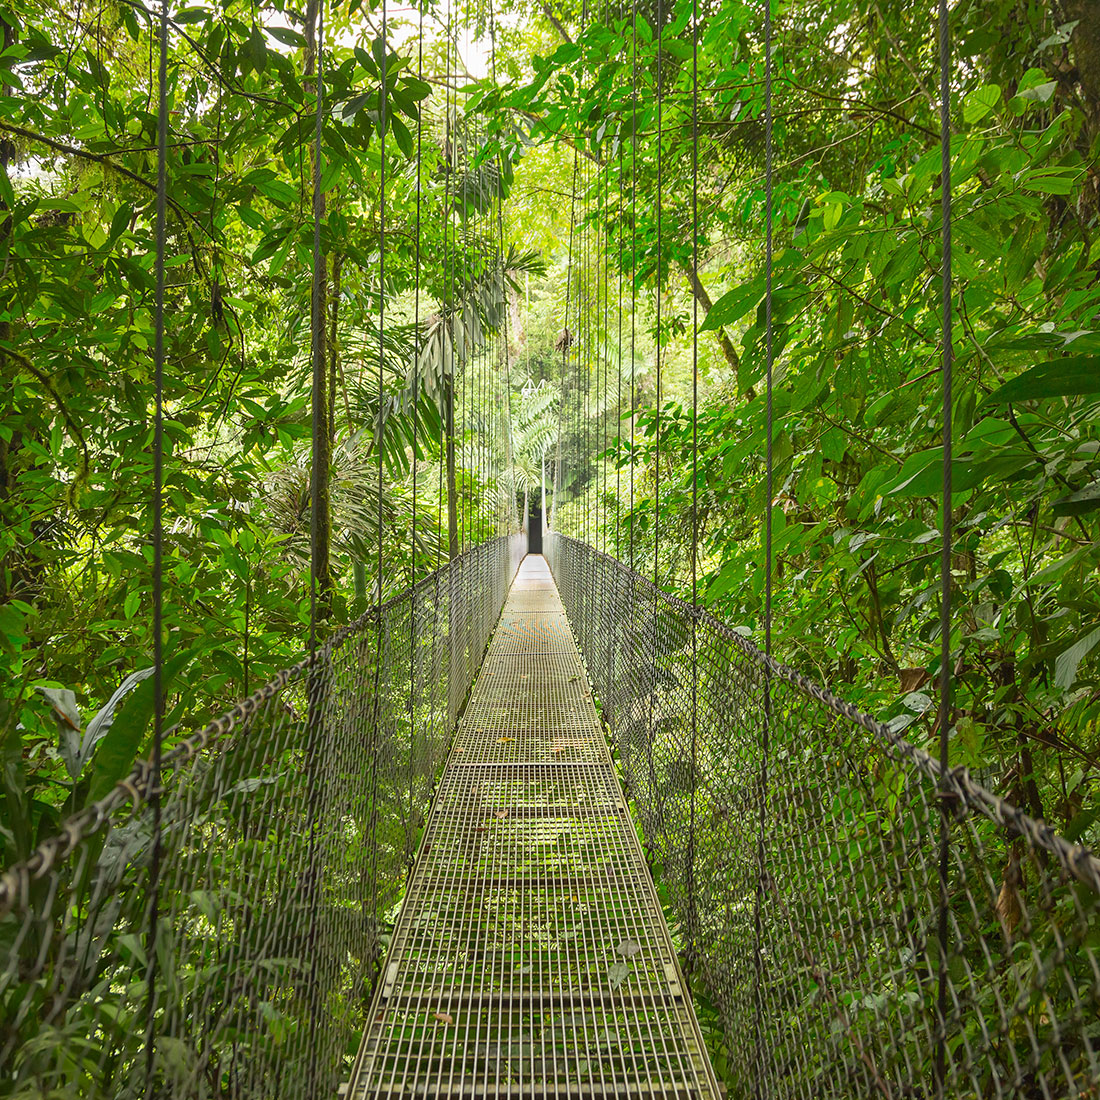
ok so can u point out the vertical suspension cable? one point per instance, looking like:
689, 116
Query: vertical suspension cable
592, 375
449, 321
509, 443
319, 410
605, 339
587, 323
633, 259
416, 290
154, 796
657, 350
565, 342
464, 362
446, 322
619, 359
597, 344
946, 546
693, 930
383, 115
765, 747
318, 530
415, 441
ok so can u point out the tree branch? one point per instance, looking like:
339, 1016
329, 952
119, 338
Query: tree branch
557, 24
99, 158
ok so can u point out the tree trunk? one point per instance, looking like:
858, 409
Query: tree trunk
704, 300
1086, 55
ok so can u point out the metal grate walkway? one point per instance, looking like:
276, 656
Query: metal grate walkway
531, 957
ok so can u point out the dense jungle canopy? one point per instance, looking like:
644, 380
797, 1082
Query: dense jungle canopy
603, 202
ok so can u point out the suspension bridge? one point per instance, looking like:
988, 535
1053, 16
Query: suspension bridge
530, 953
535, 827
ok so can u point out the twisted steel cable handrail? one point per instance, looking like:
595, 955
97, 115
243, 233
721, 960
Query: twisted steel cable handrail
136, 787
1076, 859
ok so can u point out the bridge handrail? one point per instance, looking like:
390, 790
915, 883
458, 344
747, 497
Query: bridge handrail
1076, 859
135, 787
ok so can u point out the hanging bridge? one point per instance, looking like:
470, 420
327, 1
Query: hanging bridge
795, 886
535, 827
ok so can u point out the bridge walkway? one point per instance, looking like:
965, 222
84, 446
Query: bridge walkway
531, 957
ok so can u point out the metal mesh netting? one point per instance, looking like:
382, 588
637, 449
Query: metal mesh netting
805, 878
286, 830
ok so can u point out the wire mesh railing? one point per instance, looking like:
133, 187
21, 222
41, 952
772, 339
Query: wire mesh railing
285, 831
803, 869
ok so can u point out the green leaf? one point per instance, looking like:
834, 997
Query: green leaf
13, 632
1041, 93
402, 135
732, 306
121, 221
617, 973
1066, 663
356, 104
1074, 376
287, 36
1084, 500
1051, 181
67, 717
981, 102
119, 748
278, 191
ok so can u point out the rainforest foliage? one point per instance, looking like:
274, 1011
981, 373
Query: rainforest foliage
586, 182
667, 127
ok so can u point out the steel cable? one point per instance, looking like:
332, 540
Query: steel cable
760, 1084
160, 234
945, 684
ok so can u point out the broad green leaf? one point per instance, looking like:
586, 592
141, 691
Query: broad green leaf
1074, 376
119, 748
1084, 500
732, 306
288, 36
1040, 93
1052, 181
67, 717
1068, 661
278, 191
99, 726
981, 102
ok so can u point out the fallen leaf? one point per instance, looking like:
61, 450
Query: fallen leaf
618, 974
444, 1017
504, 740
629, 948
910, 679
501, 814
